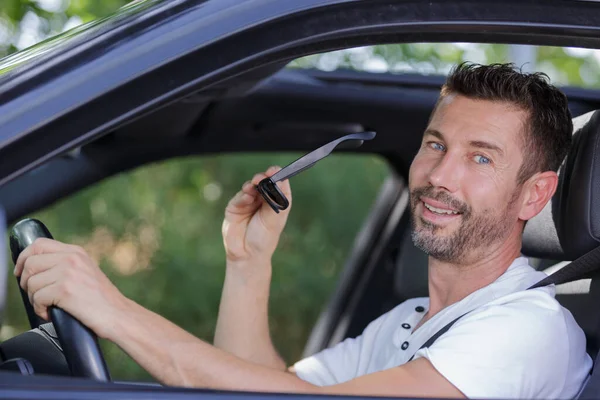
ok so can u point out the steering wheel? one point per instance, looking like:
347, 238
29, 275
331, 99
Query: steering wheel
79, 344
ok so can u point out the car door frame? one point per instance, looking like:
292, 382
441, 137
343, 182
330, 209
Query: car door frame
49, 108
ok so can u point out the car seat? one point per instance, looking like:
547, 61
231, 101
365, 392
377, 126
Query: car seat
567, 228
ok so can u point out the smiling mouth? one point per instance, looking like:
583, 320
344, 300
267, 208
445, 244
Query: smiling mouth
440, 211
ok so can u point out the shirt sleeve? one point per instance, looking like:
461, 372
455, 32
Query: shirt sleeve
339, 363
515, 350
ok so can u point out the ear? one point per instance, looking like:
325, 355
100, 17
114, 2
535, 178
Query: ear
537, 191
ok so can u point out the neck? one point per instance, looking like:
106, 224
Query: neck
452, 282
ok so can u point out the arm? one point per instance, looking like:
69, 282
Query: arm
243, 326
178, 358
62, 275
251, 231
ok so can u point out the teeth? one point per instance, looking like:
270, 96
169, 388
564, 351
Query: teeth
439, 210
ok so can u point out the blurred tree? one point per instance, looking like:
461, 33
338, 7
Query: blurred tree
26, 22
564, 66
156, 232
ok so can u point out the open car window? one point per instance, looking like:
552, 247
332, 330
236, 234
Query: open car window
156, 232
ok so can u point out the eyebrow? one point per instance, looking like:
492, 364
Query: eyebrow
434, 132
473, 143
486, 145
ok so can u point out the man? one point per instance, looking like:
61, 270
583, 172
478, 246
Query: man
486, 165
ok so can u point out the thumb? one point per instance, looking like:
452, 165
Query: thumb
284, 186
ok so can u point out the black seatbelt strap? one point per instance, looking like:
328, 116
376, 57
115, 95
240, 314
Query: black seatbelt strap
437, 335
581, 268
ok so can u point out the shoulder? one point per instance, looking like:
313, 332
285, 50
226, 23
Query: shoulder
521, 345
528, 319
345, 360
524, 305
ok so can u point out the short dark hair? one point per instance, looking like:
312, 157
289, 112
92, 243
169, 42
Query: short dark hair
548, 129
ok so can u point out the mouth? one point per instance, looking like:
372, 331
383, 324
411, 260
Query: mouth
437, 212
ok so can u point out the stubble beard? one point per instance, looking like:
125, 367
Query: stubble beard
476, 234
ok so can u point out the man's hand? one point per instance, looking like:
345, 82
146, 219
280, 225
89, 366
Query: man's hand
63, 275
251, 229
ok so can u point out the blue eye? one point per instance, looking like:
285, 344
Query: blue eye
437, 146
479, 159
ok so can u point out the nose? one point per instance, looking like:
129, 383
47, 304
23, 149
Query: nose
447, 173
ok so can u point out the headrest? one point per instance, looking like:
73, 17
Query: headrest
569, 225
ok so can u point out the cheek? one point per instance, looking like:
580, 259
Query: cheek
419, 169
485, 191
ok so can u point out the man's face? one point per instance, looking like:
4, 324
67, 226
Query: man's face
463, 180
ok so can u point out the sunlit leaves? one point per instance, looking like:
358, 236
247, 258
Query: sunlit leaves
565, 66
26, 22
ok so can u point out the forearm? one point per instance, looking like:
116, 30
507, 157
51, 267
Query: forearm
243, 323
177, 358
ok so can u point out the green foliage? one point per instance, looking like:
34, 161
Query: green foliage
564, 66
156, 232
47, 18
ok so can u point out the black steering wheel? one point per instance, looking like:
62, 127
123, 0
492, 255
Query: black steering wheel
79, 344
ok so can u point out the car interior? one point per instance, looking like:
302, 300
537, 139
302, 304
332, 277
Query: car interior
278, 109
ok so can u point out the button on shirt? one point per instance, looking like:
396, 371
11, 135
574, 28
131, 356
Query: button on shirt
514, 343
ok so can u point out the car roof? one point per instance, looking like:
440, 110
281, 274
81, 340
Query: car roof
206, 59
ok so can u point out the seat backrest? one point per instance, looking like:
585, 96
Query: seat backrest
569, 226
410, 277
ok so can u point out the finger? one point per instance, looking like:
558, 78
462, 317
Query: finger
257, 178
267, 174
39, 281
249, 188
272, 170
44, 298
242, 204
245, 200
36, 264
283, 185
241, 199
44, 246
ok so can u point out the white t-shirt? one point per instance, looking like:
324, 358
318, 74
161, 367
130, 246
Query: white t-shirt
516, 343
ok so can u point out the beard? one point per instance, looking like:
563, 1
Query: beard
476, 233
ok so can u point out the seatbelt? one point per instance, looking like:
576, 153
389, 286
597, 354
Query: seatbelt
437, 335
581, 268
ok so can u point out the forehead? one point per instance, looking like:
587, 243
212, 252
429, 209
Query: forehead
460, 118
